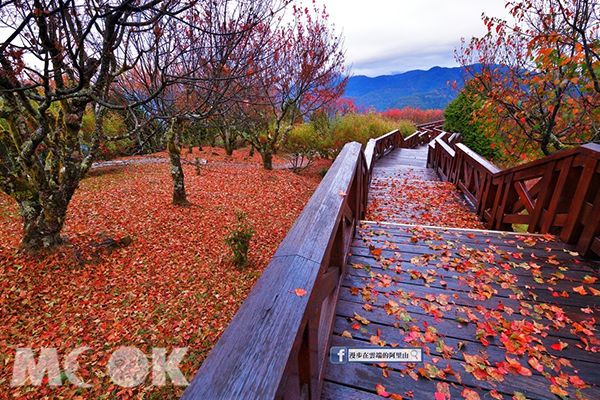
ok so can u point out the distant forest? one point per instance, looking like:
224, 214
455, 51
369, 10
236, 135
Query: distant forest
426, 90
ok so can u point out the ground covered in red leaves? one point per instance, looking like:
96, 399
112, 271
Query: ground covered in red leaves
173, 286
415, 197
498, 316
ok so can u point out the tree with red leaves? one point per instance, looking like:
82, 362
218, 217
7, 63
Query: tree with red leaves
304, 73
537, 76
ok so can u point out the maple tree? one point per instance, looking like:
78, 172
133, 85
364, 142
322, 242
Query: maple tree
536, 75
303, 74
60, 59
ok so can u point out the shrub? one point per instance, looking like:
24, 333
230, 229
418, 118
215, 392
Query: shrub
302, 146
325, 136
459, 118
239, 240
362, 127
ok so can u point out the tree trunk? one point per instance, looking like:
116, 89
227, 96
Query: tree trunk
267, 158
41, 226
174, 148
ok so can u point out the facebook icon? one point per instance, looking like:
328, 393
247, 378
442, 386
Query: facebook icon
338, 355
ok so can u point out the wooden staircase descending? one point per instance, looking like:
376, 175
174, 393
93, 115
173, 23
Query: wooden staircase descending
497, 314
411, 284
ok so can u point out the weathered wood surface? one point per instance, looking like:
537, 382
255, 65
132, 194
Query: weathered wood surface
401, 244
543, 272
275, 345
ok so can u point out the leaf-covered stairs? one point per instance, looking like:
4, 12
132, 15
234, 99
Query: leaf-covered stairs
498, 315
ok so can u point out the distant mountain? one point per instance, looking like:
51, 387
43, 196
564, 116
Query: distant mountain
423, 89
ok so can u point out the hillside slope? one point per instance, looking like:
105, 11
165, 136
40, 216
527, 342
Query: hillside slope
424, 89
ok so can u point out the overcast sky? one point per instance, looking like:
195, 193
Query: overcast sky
384, 37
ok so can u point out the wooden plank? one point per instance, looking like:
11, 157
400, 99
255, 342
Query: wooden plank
543, 197
595, 247
477, 159
516, 219
495, 215
335, 391
370, 154
463, 298
464, 284
399, 233
524, 197
540, 257
591, 227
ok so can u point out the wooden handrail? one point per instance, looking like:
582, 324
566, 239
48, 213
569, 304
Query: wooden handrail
275, 346
379, 147
277, 340
558, 194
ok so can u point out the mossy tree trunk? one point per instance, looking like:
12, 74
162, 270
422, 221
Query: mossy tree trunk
267, 159
174, 149
43, 178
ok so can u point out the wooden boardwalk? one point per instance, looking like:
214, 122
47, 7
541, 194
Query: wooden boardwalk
387, 254
495, 313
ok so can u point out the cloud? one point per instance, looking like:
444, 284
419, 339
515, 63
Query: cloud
386, 36
402, 60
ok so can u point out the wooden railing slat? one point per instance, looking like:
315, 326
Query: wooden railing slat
567, 234
542, 199
500, 195
556, 195
591, 229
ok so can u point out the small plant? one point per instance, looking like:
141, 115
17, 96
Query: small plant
198, 163
239, 240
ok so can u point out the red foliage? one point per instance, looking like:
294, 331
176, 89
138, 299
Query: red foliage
414, 114
173, 286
